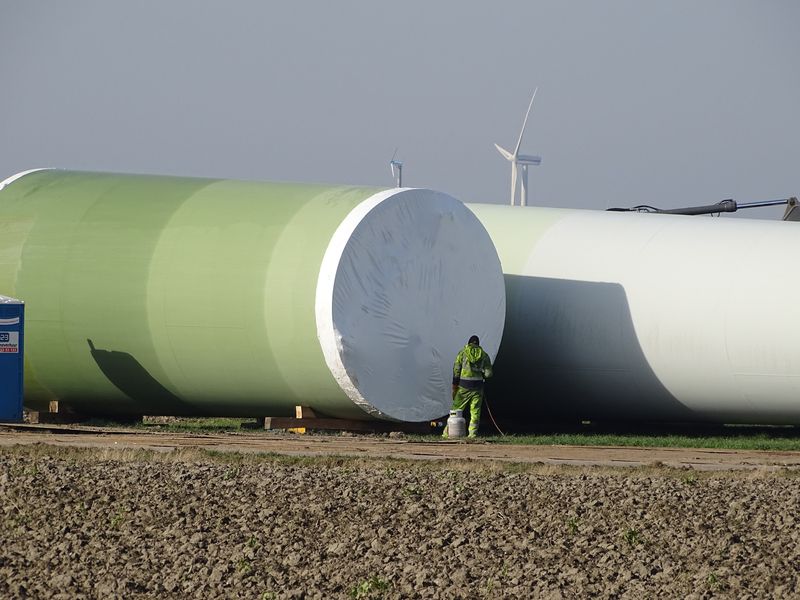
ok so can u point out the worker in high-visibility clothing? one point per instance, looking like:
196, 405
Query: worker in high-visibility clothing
470, 369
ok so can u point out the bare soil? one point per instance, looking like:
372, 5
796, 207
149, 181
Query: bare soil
396, 445
121, 520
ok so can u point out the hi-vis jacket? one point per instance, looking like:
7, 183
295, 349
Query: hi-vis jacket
471, 367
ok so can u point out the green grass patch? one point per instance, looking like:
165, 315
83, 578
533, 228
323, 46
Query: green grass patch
197, 425
734, 438
758, 441
723, 437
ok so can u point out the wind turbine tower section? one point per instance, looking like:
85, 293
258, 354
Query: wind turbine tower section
181, 296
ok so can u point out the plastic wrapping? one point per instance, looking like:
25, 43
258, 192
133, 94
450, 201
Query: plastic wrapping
398, 295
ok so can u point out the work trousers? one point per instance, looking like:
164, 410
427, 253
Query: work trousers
472, 400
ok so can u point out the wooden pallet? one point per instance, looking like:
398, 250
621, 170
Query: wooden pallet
305, 419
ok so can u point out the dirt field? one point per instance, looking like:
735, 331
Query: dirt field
399, 447
118, 518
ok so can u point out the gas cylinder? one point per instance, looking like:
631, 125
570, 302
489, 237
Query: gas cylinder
456, 425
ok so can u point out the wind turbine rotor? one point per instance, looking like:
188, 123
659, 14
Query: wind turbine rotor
506, 154
524, 123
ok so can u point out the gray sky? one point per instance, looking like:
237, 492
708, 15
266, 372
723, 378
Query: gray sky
670, 103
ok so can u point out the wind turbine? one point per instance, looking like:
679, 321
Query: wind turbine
396, 165
520, 161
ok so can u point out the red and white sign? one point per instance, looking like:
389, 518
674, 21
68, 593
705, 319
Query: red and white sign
9, 342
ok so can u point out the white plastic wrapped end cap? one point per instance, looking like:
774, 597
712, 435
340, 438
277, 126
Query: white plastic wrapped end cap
407, 278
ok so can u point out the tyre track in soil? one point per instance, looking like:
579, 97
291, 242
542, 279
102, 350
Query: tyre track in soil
291, 444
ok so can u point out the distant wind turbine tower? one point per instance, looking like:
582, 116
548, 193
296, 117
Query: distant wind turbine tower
520, 161
397, 170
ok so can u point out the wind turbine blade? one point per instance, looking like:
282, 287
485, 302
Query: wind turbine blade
506, 154
524, 123
395, 153
513, 181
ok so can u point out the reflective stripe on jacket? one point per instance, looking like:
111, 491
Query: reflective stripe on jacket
471, 367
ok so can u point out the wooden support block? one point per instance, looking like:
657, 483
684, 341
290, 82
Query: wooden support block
295, 424
53, 418
302, 413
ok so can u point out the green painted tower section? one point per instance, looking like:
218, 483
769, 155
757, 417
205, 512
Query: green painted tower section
143, 291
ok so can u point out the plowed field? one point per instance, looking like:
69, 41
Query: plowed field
92, 515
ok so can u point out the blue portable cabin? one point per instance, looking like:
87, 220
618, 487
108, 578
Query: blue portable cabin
12, 322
